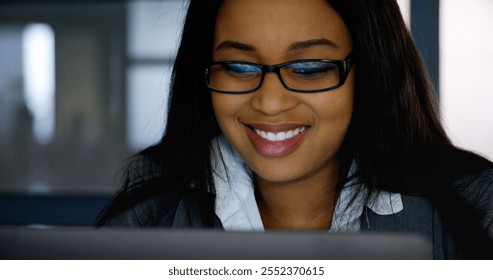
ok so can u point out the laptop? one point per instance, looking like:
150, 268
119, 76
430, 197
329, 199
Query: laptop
86, 243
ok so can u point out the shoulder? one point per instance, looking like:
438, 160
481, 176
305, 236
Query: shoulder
148, 212
140, 206
191, 208
151, 197
461, 190
453, 206
456, 174
477, 191
466, 180
142, 189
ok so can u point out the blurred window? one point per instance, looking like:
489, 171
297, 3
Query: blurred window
405, 6
466, 71
154, 29
38, 45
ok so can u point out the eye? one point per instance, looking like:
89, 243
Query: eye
311, 70
242, 70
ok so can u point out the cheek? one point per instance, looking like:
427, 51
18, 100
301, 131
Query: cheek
220, 105
342, 103
343, 111
334, 115
334, 107
226, 107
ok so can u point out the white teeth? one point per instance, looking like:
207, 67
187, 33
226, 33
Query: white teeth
280, 136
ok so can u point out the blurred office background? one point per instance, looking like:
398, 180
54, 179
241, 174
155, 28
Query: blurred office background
83, 85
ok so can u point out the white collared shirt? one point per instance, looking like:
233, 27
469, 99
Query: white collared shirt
237, 208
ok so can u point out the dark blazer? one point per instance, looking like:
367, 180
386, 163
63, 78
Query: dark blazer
466, 233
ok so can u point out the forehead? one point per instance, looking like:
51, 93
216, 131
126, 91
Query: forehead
275, 24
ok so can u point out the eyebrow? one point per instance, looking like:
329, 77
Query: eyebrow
294, 46
311, 43
235, 45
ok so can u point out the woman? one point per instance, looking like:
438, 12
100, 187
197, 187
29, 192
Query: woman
312, 115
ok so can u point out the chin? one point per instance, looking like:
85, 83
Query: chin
276, 176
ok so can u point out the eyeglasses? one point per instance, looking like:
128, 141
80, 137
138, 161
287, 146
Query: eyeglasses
306, 76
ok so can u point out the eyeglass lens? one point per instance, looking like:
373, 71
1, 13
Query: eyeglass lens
302, 75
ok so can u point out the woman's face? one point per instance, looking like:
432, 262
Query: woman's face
309, 127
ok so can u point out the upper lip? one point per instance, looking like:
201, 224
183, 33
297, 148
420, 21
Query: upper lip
275, 127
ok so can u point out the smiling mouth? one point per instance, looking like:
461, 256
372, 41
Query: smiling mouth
276, 140
279, 136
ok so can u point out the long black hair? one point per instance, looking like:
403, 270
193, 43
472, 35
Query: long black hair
394, 125
395, 117
182, 158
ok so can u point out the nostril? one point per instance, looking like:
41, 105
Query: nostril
273, 99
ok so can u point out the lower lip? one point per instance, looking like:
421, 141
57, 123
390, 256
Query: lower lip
274, 148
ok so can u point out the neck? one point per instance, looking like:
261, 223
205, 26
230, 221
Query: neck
306, 204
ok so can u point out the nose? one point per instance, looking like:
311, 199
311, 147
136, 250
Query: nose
272, 97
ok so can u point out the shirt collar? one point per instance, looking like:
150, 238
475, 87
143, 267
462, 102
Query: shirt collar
236, 206
352, 201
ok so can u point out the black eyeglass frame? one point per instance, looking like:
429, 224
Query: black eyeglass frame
344, 67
